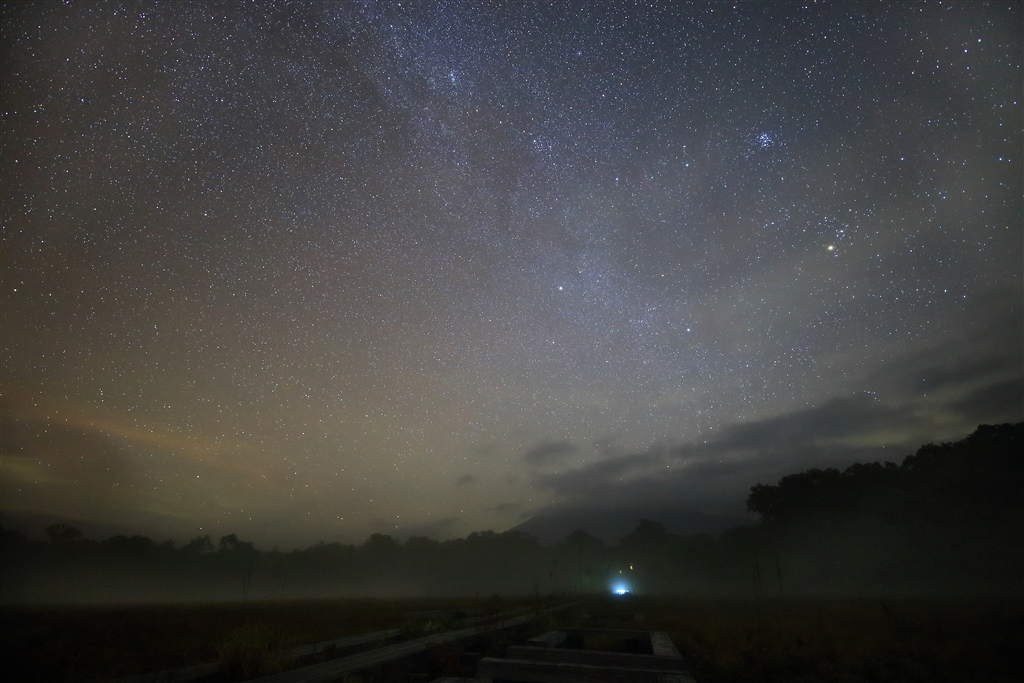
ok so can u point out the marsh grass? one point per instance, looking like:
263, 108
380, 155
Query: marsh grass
805, 641
726, 641
254, 650
98, 643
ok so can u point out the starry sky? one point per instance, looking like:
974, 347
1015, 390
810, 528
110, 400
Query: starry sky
309, 271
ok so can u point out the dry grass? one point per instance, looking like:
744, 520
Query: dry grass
839, 640
727, 641
254, 650
83, 643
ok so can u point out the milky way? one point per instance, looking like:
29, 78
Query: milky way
309, 271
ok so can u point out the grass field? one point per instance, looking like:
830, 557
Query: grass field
84, 643
724, 640
837, 640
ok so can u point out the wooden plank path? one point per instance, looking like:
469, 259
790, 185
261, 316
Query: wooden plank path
543, 660
199, 671
489, 669
350, 641
596, 657
336, 668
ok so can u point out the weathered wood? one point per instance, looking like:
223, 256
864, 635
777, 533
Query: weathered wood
623, 660
492, 668
549, 639
676, 678
625, 634
336, 668
661, 644
339, 643
564, 665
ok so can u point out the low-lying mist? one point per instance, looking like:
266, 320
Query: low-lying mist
947, 521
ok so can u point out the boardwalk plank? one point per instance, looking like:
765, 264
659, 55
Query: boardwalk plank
573, 665
597, 658
662, 644
336, 668
549, 639
492, 668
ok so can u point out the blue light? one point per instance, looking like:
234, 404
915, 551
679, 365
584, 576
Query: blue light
620, 589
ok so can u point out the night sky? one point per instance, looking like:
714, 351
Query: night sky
309, 271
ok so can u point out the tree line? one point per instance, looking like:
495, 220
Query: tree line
947, 520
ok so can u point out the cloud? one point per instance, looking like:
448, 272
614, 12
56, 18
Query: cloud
507, 508
803, 431
440, 529
717, 474
591, 480
549, 452
56, 468
1000, 401
69, 461
466, 480
992, 350
937, 392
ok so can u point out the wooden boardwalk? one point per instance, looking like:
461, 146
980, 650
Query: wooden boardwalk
337, 668
544, 660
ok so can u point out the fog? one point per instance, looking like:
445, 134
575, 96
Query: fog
944, 522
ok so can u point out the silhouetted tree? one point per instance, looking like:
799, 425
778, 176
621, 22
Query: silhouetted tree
586, 552
647, 537
62, 533
949, 518
198, 545
137, 546
232, 544
979, 479
811, 493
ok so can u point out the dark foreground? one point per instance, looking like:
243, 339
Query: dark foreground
721, 640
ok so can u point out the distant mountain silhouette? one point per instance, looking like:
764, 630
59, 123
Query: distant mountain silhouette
611, 524
32, 523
